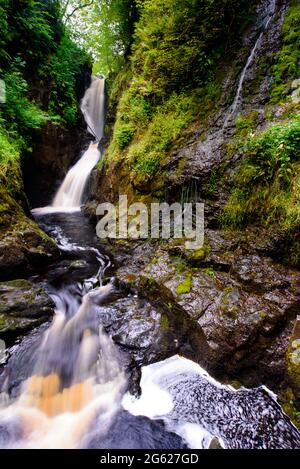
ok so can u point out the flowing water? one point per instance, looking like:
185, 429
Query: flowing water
69, 196
65, 384
269, 16
70, 193
92, 107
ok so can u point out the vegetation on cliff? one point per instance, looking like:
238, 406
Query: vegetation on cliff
42, 71
170, 78
42, 77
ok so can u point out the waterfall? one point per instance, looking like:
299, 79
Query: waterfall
92, 107
269, 16
70, 194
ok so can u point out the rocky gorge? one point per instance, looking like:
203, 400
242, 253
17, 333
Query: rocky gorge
232, 306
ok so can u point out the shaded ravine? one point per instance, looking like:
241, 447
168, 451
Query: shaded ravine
66, 384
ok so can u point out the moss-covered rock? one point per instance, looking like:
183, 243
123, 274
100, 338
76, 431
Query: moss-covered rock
23, 245
23, 306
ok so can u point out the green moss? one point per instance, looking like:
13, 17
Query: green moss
19, 283
210, 272
294, 362
2, 321
226, 306
263, 314
197, 255
164, 323
287, 65
288, 402
185, 286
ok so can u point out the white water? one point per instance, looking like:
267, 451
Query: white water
156, 400
199, 408
55, 414
70, 194
92, 107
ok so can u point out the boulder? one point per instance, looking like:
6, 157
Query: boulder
23, 306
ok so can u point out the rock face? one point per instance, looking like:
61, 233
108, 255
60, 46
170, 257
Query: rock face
24, 247
23, 306
241, 306
152, 326
54, 151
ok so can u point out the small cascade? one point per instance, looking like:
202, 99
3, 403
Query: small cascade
269, 17
77, 378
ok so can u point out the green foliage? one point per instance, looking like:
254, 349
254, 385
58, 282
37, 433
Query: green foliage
287, 66
9, 152
178, 42
211, 185
19, 113
40, 66
124, 134
266, 186
176, 48
153, 134
246, 123
106, 30
30, 29
273, 151
65, 68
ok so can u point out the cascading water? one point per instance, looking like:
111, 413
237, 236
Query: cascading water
73, 395
209, 152
266, 22
69, 196
92, 107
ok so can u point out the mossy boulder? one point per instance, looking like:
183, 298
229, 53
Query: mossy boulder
23, 245
23, 306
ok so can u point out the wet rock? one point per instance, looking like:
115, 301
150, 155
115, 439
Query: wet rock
242, 302
215, 443
23, 306
24, 247
55, 150
259, 274
152, 326
134, 432
79, 264
296, 329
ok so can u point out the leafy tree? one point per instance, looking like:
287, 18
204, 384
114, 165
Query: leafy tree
105, 28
